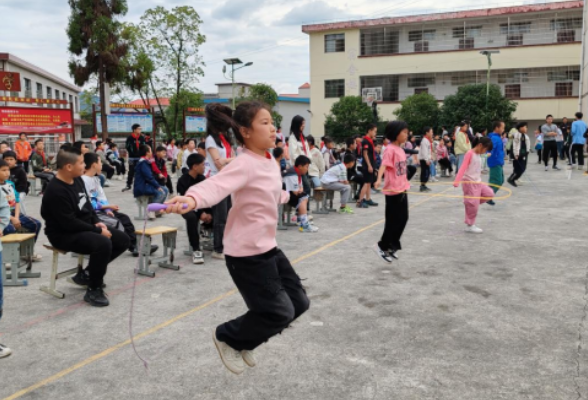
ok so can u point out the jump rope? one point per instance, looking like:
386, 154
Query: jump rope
453, 196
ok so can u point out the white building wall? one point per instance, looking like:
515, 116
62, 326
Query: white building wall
288, 110
584, 65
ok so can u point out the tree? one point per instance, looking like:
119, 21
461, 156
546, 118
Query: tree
470, 103
172, 41
419, 111
349, 116
266, 94
96, 46
185, 99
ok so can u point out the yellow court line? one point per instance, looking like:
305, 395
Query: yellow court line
178, 317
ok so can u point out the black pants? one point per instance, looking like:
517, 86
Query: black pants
273, 294
550, 150
577, 149
108, 170
174, 166
126, 222
358, 179
410, 171
131, 174
425, 172
446, 164
520, 167
45, 178
193, 227
101, 249
168, 184
396, 219
24, 165
120, 167
540, 155
220, 212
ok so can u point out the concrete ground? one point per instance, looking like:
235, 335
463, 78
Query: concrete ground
500, 315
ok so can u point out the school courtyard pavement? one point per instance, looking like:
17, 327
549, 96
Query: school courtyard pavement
501, 315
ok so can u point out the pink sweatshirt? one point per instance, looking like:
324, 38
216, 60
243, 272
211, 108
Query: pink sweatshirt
255, 185
470, 170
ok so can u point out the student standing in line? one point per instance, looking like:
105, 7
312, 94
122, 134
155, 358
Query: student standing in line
23, 151
520, 152
190, 149
426, 157
297, 145
264, 276
396, 184
549, 132
462, 143
132, 145
368, 167
578, 134
539, 144
496, 159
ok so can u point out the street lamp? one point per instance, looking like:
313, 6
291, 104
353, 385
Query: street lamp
488, 54
232, 62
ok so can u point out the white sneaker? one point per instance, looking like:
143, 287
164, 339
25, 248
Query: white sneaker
519, 183
249, 358
107, 183
218, 256
151, 215
308, 228
546, 168
4, 351
230, 357
473, 229
382, 254
197, 257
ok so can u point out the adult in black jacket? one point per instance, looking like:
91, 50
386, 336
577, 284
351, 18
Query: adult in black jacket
71, 224
132, 145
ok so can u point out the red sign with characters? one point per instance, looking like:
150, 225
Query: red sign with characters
10, 81
14, 120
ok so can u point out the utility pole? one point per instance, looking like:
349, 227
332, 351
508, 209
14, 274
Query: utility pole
232, 62
488, 54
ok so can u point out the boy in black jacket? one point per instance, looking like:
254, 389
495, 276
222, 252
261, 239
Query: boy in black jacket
194, 176
71, 224
132, 145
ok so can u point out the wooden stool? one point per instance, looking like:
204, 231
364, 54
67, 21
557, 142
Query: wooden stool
321, 196
16, 247
142, 203
169, 244
56, 275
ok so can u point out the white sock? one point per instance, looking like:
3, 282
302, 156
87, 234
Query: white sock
304, 219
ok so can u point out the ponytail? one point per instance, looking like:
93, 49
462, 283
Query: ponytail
218, 121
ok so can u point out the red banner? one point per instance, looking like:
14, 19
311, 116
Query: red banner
10, 81
14, 120
28, 100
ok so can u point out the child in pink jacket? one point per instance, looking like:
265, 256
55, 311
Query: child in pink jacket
265, 278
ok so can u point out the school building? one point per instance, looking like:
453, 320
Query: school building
538, 64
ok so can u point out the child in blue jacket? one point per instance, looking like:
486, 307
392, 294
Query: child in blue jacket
145, 183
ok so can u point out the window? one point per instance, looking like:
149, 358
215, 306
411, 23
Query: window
334, 88
28, 88
566, 23
512, 91
467, 43
513, 77
56, 97
421, 46
388, 83
468, 32
416, 36
514, 40
76, 105
379, 41
39, 91
566, 36
569, 75
515, 27
71, 100
49, 96
563, 89
421, 81
335, 43
421, 90
465, 78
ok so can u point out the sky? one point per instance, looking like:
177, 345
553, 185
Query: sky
265, 32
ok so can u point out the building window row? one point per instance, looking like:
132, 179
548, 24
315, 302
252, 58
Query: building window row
334, 88
27, 90
451, 35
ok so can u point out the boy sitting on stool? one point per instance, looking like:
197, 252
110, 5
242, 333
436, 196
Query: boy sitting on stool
195, 175
145, 183
294, 182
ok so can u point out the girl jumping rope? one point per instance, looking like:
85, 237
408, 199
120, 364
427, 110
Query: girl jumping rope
474, 190
265, 278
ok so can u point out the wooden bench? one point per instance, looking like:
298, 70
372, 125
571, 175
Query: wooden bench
285, 210
34, 191
15, 248
56, 275
169, 236
321, 197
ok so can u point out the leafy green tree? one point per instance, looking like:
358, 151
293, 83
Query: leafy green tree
180, 102
418, 111
173, 40
96, 46
470, 103
266, 94
349, 116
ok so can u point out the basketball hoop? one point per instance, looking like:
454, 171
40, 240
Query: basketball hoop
370, 99
371, 95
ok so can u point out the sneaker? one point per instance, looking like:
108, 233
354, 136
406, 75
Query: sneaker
96, 297
151, 215
555, 167
512, 182
4, 351
382, 254
394, 254
308, 228
546, 168
126, 188
362, 205
197, 257
345, 210
425, 189
372, 203
232, 358
491, 203
473, 229
81, 279
107, 183
218, 256
249, 358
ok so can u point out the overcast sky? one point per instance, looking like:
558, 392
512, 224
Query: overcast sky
266, 32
